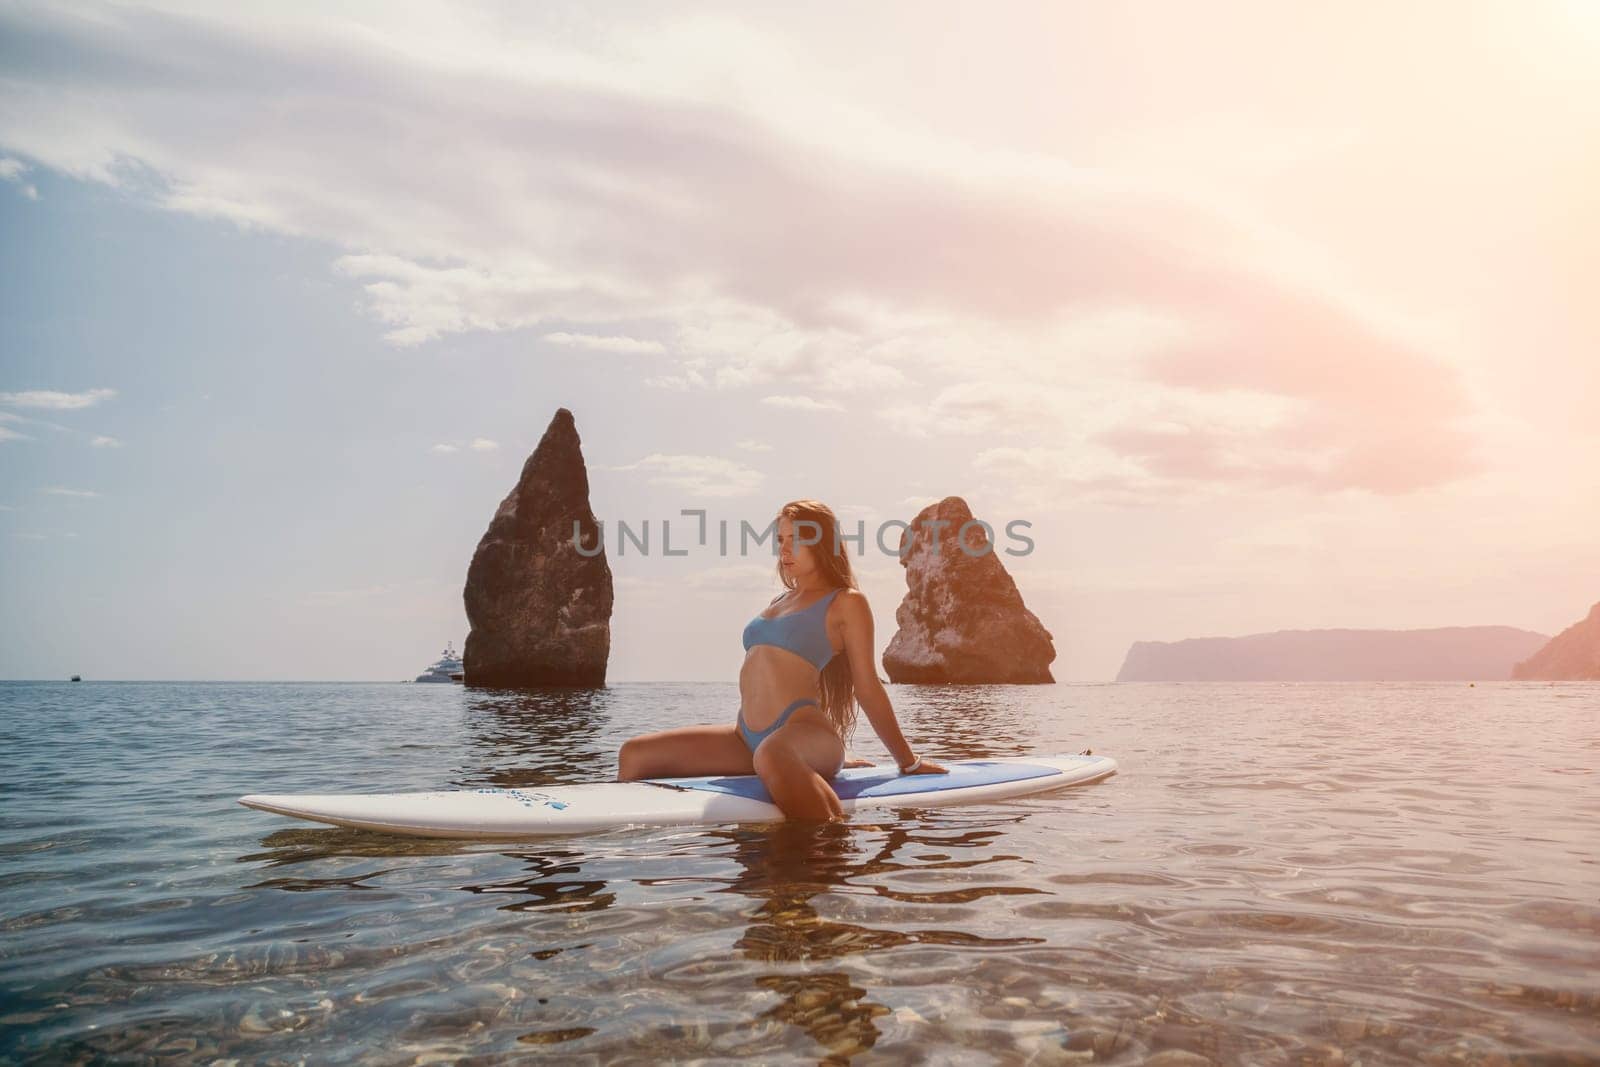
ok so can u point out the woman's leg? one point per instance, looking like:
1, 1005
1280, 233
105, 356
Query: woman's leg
793, 761
686, 752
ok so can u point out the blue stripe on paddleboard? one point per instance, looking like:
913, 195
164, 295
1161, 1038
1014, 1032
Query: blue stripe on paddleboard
858, 782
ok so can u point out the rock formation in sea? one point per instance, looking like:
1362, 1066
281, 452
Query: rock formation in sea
540, 610
1573, 655
1477, 653
962, 619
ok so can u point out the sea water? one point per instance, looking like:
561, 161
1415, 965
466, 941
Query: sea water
1295, 874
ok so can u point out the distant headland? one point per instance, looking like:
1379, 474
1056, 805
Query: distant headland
1573, 655
1452, 653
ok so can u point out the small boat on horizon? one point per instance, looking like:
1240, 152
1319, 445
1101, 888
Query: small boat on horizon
449, 668
77, 677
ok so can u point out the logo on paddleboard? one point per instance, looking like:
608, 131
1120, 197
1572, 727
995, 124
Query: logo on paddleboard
527, 799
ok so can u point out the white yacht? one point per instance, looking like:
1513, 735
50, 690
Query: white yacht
448, 669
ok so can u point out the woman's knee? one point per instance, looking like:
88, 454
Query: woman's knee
774, 757
631, 759
794, 783
781, 757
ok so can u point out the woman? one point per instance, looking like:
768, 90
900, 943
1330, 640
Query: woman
815, 641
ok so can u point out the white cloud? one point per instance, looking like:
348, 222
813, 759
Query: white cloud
103, 441
11, 170
424, 302
486, 175
483, 444
7, 434
734, 345
750, 445
693, 376
597, 343
986, 407
443, 449
801, 403
713, 476
1046, 477
56, 490
56, 401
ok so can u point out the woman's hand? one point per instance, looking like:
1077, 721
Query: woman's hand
926, 767
859, 763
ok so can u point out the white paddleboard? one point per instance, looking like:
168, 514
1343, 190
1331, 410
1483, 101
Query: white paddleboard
570, 809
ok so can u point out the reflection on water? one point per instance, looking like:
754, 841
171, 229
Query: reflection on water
529, 737
550, 880
785, 867
968, 722
309, 843
1320, 875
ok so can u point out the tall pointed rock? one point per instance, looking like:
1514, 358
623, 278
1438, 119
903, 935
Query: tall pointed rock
539, 610
962, 619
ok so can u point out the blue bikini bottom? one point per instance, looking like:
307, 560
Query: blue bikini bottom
753, 738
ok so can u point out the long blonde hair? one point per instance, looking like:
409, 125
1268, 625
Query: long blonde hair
835, 684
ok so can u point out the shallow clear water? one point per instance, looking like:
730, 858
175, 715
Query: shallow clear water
1279, 874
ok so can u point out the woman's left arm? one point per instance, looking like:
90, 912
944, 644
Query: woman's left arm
856, 624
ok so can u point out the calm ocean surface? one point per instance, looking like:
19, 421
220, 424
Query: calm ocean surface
1294, 874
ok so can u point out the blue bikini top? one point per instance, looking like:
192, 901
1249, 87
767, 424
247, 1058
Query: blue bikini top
804, 632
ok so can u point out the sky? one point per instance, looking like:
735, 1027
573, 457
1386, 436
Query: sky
1261, 317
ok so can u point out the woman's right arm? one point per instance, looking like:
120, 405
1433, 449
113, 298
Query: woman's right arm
874, 699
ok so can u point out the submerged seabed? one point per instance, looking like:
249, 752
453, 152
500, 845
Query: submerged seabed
1382, 874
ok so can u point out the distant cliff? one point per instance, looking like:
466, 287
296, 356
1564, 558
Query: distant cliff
1573, 655
1482, 653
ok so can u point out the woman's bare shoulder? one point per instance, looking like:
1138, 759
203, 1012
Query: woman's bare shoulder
853, 601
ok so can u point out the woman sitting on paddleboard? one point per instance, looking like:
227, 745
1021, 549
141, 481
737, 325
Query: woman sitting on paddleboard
808, 653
